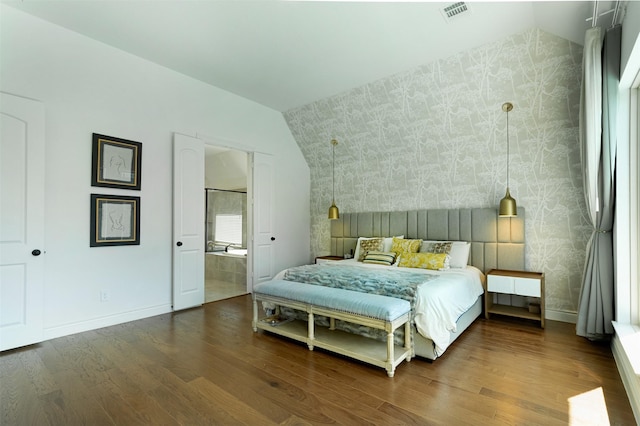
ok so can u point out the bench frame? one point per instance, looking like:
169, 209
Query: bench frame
358, 347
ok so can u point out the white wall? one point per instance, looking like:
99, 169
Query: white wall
88, 87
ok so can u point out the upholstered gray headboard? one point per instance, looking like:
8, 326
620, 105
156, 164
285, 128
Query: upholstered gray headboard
495, 242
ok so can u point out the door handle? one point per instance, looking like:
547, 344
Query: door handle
179, 243
273, 238
36, 252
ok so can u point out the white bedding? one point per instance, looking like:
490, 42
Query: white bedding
439, 303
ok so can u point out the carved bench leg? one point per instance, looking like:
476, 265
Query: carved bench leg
390, 354
311, 333
254, 322
332, 323
407, 339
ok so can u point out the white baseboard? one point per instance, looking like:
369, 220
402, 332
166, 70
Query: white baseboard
563, 316
79, 327
624, 347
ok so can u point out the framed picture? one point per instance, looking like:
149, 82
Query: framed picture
116, 162
115, 220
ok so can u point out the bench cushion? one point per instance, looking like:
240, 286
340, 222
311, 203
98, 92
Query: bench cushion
364, 304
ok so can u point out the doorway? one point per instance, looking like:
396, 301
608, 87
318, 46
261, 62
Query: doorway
225, 223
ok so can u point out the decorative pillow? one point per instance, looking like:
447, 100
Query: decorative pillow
435, 261
436, 247
388, 242
356, 253
370, 244
459, 251
380, 257
401, 245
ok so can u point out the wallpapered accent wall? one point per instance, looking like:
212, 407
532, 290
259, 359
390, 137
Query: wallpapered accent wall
435, 137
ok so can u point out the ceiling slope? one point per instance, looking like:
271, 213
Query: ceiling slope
284, 54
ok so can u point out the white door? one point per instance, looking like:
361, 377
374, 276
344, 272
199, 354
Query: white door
264, 238
21, 221
188, 222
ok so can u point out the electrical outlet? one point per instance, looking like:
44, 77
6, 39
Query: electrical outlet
104, 295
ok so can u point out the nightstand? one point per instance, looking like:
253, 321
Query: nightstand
321, 259
519, 283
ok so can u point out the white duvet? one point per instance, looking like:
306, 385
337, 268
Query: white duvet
440, 302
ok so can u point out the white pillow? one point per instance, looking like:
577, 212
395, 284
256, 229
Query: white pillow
459, 252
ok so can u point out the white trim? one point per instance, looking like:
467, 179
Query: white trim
623, 352
630, 72
634, 215
627, 233
563, 316
79, 327
623, 213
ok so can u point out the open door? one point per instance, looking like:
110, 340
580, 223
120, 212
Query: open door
22, 147
264, 238
188, 222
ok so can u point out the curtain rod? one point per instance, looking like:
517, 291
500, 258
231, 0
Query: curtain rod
594, 18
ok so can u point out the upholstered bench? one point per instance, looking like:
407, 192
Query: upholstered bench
372, 310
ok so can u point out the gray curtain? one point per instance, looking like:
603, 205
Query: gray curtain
598, 115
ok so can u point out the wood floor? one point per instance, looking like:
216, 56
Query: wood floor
206, 366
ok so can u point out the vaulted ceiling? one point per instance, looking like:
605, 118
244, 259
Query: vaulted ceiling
285, 54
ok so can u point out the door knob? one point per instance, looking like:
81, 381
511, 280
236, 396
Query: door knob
36, 252
273, 238
179, 243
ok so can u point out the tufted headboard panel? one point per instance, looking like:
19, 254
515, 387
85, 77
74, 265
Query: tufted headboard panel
495, 242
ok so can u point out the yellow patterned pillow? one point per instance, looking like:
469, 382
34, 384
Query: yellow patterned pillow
400, 245
435, 261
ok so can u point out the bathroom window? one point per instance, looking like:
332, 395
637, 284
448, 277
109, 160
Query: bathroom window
226, 225
229, 228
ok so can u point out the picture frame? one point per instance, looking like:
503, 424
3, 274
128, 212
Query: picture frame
115, 220
116, 162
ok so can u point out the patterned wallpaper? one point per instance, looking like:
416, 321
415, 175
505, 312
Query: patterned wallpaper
435, 137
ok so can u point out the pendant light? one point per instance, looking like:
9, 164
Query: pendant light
333, 210
508, 206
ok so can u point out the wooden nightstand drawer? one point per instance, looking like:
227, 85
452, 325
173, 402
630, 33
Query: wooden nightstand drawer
514, 285
500, 284
526, 287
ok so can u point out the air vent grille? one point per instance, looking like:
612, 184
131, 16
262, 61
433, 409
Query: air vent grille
455, 10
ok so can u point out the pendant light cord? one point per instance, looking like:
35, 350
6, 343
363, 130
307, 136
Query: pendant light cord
508, 149
333, 171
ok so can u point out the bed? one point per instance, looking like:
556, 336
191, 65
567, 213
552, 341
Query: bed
449, 300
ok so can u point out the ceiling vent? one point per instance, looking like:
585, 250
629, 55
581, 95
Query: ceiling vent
455, 10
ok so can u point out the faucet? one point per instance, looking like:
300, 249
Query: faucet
226, 249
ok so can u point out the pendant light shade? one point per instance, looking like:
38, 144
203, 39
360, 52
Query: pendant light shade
508, 207
333, 210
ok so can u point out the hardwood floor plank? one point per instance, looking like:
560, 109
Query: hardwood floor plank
117, 408
136, 394
37, 372
239, 409
207, 366
81, 406
18, 396
191, 399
